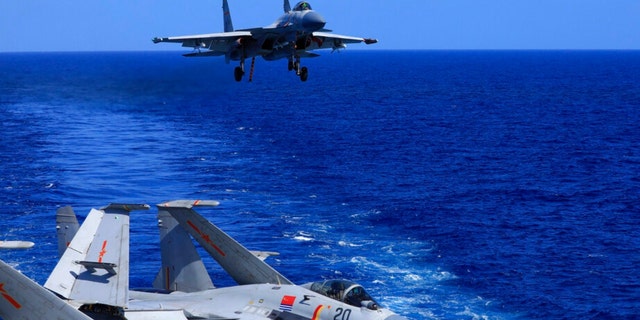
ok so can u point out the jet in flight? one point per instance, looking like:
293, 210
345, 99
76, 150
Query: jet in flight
293, 36
91, 279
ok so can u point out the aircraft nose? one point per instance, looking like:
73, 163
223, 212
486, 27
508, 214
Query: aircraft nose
313, 21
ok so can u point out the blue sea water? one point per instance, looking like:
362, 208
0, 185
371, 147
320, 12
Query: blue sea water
451, 184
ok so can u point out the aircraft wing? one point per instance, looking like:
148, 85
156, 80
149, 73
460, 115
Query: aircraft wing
241, 264
327, 40
22, 298
219, 42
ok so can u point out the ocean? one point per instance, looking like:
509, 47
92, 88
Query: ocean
450, 184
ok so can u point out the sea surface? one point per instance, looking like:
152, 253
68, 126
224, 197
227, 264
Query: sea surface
451, 184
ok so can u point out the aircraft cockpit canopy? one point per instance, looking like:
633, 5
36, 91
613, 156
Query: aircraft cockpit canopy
345, 291
302, 6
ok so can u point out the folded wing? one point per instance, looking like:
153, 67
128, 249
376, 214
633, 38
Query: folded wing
241, 264
22, 298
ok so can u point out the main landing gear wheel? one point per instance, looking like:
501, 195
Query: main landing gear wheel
304, 74
238, 73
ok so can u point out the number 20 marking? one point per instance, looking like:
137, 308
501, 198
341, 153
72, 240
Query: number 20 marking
342, 314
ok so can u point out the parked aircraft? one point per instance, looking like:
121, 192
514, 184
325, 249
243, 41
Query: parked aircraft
91, 279
293, 36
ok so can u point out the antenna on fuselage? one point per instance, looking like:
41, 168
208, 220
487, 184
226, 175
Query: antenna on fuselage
287, 6
226, 15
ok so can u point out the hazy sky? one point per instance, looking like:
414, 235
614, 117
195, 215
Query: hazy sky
85, 25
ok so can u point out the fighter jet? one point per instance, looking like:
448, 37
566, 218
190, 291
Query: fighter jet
91, 279
293, 36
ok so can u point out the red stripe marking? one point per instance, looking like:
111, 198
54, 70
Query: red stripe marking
206, 238
9, 298
194, 227
103, 251
219, 250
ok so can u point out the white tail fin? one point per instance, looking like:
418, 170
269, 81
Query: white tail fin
182, 268
95, 266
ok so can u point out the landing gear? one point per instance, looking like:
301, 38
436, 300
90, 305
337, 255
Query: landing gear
304, 74
301, 72
238, 73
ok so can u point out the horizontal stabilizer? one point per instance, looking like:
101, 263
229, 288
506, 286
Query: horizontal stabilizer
91, 266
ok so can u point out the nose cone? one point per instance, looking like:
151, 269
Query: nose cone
313, 21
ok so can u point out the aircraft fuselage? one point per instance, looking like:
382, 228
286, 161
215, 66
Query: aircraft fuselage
258, 300
289, 28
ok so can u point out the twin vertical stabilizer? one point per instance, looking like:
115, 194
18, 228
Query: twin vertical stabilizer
182, 269
95, 265
226, 14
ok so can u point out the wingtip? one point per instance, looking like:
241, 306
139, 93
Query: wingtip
156, 40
